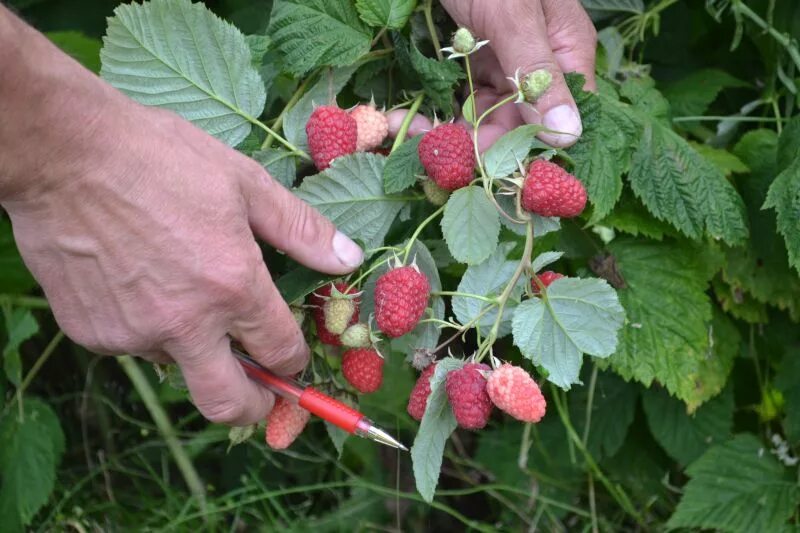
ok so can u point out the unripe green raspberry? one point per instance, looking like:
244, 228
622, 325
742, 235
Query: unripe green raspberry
338, 312
435, 194
356, 336
463, 41
535, 84
299, 315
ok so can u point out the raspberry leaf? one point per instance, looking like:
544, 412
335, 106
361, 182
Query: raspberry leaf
392, 14
488, 279
471, 225
666, 293
179, 55
279, 163
680, 186
505, 155
577, 316
434, 430
438, 78
313, 33
692, 94
294, 126
784, 198
20, 326
31, 446
686, 436
737, 486
350, 193
544, 259
402, 167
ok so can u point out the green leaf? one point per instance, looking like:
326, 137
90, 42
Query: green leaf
737, 486
603, 153
20, 326
723, 159
471, 225
489, 278
259, 45
438, 78
436, 426
784, 198
322, 93
338, 437
691, 95
681, 187
392, 14
541, 225
613, 409
403, 167
279, 163
85, 50
641, 92
545, 259
14, 275
179, 55
350, 194
789, 144
577, 316
761, 267
505, 155
31, 447
685, 437
313, 33
669, 314
625, 6
631, 217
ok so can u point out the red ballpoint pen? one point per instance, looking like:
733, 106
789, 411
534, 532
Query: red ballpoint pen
322, 405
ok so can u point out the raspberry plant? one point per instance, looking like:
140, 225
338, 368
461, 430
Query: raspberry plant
678, 278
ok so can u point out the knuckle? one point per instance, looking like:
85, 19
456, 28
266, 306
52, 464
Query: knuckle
301, 224
226, 411
232, 278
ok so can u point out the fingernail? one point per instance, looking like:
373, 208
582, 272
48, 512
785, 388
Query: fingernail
564, 120
346, 250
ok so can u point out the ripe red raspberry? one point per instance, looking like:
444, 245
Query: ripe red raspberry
285, 423
418, 399
551, 191
448, 155
317, 300
363, 369
466, 390
331, 133
514, 391
372, 127
401, 296
547, 277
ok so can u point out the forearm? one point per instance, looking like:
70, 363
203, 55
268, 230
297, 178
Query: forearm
49, 107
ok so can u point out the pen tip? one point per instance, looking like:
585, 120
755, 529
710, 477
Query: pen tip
378, 435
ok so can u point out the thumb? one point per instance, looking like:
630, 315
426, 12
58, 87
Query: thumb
555, 109
291, 225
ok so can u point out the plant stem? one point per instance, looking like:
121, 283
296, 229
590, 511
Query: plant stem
412, 111
419, 229
278, 122
589, 405
292, 148
428, 10
464, 295
40, 361
616, 492
165, 427
30, 302
784, 40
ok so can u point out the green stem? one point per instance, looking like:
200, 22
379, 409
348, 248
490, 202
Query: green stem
419, 229
784, 40
589, 405
278, 122
412, 111
616, 492
464, 295
732, 118
165, 427
30, 302
292, 148
428, 10
40, 361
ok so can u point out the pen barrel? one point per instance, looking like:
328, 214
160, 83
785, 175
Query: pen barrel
282, 386
330, 409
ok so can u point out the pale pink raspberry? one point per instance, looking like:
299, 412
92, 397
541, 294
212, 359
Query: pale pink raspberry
514, 391
372, 127
285, 423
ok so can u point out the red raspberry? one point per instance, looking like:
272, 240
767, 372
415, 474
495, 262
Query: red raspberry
448, 155
547, 277
363, 369
317, 300
331, 133
372, 127
466, 390
551, 191
285, 423
418, 399
401, 296
514, 391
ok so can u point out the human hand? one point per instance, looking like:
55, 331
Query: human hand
142, 236
556, 35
